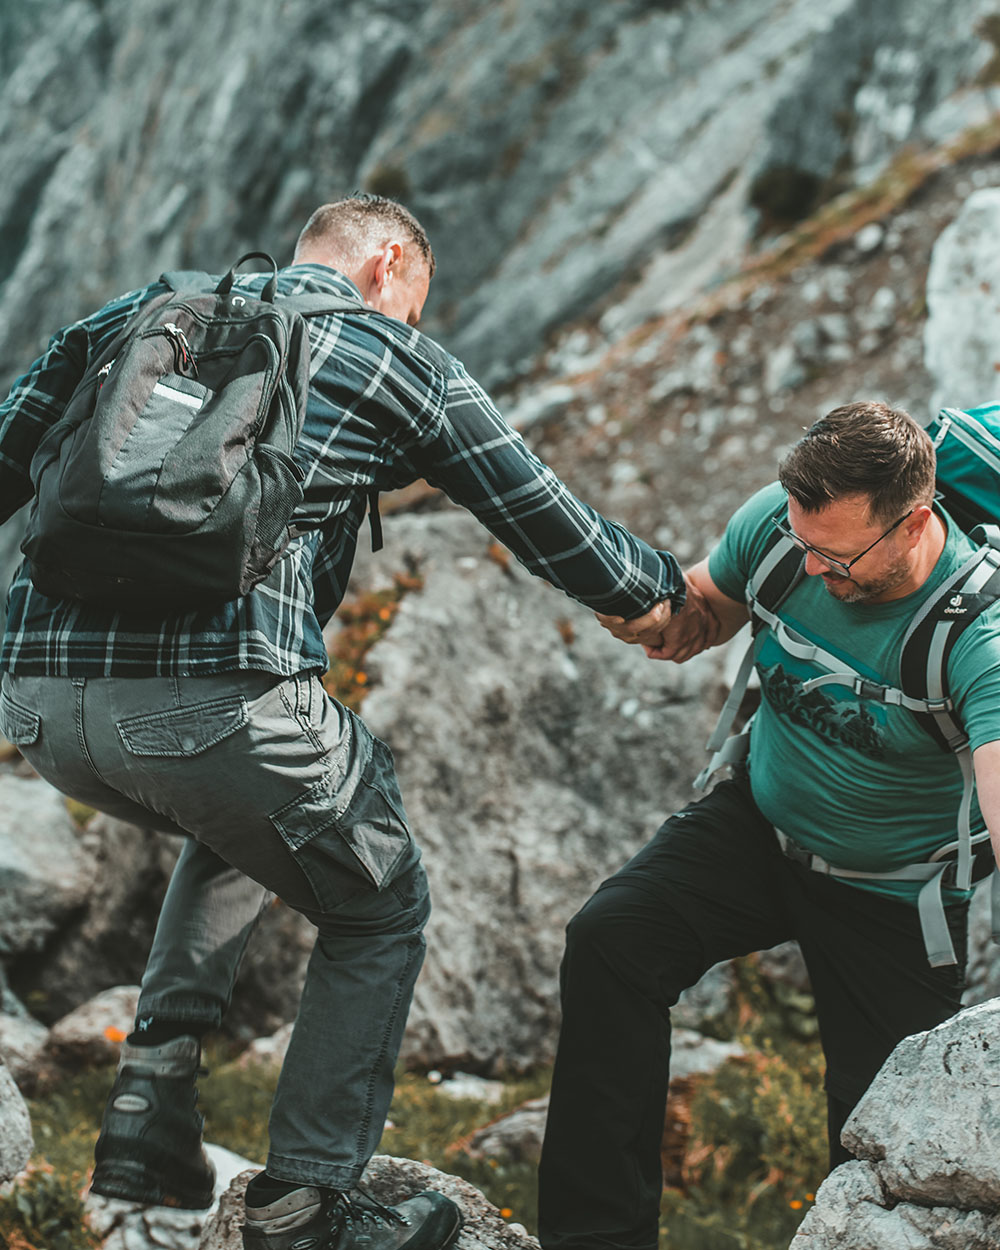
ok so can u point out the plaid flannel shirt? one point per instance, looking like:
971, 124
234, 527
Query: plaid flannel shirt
386, 406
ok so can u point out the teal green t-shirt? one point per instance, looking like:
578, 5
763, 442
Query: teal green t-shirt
853, 780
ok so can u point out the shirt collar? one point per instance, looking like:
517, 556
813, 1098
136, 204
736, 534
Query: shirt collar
314, 277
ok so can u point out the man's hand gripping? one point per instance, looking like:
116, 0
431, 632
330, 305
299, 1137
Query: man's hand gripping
667, 635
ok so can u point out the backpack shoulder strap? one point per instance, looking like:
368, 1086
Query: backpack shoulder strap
315, 305
769, 583
189, 280
934, 630
773, 580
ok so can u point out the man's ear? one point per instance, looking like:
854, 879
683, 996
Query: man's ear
387, 262
916, 523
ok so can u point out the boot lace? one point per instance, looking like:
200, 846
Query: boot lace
351, 1214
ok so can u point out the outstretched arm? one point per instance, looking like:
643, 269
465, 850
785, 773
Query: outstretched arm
708, 618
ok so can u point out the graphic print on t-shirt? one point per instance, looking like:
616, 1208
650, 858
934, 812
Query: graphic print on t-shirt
849, 722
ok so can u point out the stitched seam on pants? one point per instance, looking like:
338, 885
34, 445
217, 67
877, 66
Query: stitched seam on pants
303, 724
78, 686
415, 947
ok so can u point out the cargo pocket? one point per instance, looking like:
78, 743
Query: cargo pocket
17, 724
183, 730
348, 839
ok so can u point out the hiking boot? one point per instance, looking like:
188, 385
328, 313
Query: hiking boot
150, 1149
316, 1219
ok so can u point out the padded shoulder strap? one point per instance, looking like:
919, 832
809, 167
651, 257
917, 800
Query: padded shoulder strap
316, 305
939, 624
773, 580
189, 280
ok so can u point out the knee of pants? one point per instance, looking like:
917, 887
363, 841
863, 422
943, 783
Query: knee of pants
635, 939
399, 909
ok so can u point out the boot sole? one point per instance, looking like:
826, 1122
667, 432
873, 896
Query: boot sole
131, 1182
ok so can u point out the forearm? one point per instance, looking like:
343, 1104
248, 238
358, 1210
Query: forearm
986, 760
484, 466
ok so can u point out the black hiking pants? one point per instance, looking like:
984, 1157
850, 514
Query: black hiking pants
712, 884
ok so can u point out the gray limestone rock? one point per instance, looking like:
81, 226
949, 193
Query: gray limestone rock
518, 1136
15, 1128
129, 1226
852, 1213
45, 873
514, 1138
962, 333
566, 157
535, 754
92, 1034
929, 1119
983, 970
389, 1181
22, 1041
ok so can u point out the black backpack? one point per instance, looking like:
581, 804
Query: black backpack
168, 483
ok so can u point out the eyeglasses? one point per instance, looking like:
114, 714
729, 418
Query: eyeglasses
837, 566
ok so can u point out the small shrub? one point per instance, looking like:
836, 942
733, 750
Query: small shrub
45, 1212
363, 621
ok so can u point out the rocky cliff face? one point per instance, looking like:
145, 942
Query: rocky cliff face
561, 153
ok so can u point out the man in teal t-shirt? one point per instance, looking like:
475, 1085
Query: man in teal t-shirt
847, 781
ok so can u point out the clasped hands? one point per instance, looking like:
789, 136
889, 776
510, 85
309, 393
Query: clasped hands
667, 635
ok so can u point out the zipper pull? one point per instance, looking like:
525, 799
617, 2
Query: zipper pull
183, 355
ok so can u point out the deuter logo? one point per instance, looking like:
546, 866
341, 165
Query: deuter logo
956, 605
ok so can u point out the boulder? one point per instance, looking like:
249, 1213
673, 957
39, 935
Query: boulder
22, 1042
853, 1213
92, 1034
514, 1138
518, 1136
535, 755
611, 151
267, 1050
126, 871
15, 1128
927, 1174
388, 1181
928, 1120
128, 1226
982, 979
45, 872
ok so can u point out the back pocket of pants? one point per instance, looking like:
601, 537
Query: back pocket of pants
17, 724
183, 730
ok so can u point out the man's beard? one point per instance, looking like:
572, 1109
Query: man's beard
852, 590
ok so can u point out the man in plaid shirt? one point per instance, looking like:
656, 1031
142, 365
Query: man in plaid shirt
214, 724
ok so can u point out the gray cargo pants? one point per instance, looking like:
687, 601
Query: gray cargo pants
280, 790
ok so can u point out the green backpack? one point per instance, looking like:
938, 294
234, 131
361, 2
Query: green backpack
968, 480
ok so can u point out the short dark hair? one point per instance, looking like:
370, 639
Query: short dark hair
865, 448
361, 221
